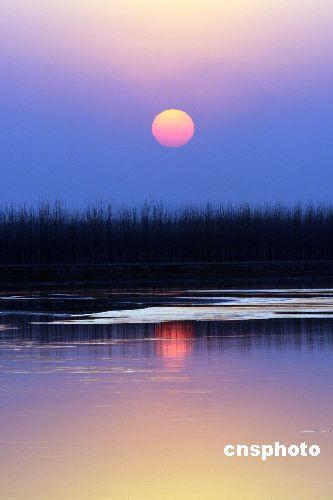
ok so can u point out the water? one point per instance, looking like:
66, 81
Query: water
122, 407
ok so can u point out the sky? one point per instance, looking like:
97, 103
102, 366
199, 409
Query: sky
81, 83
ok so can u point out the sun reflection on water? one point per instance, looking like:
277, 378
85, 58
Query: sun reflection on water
175, 342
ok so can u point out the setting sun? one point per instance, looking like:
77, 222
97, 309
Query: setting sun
173, 128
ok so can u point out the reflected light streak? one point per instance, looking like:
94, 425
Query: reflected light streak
175, 342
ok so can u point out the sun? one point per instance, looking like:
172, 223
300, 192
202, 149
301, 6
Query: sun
173, 128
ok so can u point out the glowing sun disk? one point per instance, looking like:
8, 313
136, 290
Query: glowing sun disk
173, 128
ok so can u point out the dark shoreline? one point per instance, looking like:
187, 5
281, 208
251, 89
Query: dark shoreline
166, 272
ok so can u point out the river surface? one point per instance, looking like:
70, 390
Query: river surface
133, 394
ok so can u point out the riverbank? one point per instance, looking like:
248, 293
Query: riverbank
163, 272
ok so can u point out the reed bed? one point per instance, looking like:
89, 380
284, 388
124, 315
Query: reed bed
152, 233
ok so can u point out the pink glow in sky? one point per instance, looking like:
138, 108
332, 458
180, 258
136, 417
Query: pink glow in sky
212, 54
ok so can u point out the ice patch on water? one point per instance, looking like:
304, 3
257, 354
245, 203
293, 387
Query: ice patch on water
193, 313
312, 431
